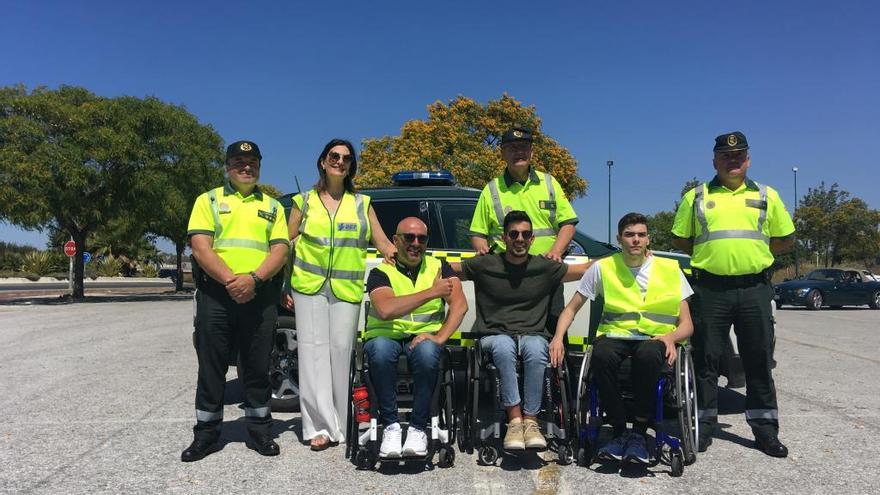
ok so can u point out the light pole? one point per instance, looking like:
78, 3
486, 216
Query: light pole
796, 268
610, 163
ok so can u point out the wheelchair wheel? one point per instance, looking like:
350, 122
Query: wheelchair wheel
351, 425
686, 392
365, 460
487, 455
474, 399
445, 457
582, 400
565, 454
448, 419
676, 463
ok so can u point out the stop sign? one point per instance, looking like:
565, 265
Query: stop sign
70, 248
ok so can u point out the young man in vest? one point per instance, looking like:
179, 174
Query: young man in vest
406, 315
239, 239
645, 315
513, 294
733, 227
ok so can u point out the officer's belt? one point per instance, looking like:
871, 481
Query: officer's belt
702, 277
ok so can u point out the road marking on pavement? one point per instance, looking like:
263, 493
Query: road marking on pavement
547, 482
837, 351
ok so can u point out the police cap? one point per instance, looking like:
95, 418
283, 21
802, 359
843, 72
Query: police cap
243, 148
517, 134
730, 141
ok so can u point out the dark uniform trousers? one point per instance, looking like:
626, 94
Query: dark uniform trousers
646, 365
745, 303
221, 326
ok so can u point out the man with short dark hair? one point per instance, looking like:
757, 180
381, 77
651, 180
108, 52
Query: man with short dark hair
513, 292
644, 316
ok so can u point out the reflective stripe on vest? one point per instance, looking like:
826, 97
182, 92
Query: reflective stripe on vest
627, 315
332, 248
543, 229
426, 318
706, 235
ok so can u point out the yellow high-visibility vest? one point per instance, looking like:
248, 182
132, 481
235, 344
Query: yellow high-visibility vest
333, 248
426, 318
627, 315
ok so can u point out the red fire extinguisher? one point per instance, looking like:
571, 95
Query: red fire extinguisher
361, 400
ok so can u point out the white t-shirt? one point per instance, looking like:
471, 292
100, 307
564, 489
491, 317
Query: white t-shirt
591, 283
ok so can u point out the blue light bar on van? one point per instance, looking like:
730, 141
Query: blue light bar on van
423, 178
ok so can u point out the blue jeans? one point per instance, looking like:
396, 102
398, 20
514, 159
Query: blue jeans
533, 349
424, 362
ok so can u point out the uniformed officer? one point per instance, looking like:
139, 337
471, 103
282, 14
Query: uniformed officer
733, 227
523, 188
239, 240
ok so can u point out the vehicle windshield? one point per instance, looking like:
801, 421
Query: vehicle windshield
828, 275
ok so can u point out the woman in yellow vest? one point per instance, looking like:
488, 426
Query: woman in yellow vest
330, 228
645, 314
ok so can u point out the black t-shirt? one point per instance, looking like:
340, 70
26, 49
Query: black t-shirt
378, 278
513, 299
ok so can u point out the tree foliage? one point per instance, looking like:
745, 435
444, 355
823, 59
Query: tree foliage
463, 137
85, 165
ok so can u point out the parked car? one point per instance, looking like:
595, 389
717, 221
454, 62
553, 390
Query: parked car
834, 287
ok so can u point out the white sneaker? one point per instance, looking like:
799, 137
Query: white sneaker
390, 441
416, 443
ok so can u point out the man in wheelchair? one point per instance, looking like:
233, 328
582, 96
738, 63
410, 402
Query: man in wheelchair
513, 291
406, 315
645, 315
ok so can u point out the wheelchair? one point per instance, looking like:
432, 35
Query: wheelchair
485, 418
364, 432
676, 396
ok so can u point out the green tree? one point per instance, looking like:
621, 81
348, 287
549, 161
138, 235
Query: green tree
87, 165
463, 137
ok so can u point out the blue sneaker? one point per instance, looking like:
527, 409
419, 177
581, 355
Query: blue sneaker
613, 450
637, 450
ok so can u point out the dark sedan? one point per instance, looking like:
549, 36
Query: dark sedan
829, 287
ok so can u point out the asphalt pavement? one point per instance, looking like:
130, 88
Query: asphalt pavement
98, 398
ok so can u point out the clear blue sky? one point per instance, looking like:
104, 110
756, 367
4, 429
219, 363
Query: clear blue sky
646, 84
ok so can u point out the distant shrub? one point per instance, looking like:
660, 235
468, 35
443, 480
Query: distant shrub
109, 266
38, 262
148, 270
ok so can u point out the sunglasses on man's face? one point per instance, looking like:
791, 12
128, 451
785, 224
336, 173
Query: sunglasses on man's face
514, 234
411, 238
334, 157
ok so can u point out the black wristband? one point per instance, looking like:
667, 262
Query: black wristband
258, 282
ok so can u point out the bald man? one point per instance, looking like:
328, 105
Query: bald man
406, 315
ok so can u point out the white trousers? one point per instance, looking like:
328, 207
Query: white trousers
325, 330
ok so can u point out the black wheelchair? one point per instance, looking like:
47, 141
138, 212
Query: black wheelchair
364, 432
676, 397
485, 418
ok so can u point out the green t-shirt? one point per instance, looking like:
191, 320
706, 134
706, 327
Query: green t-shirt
513, 299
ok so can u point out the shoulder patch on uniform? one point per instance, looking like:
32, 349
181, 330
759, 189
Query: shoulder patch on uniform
268, 215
